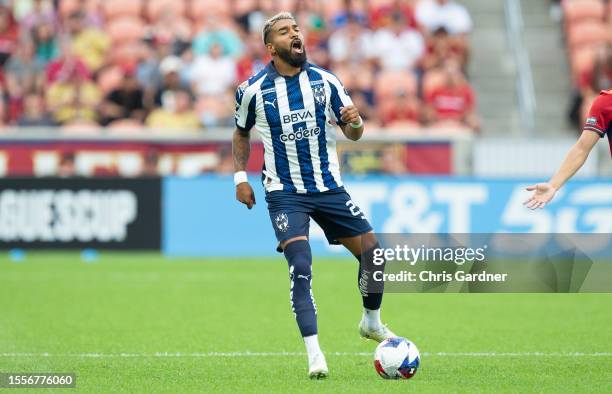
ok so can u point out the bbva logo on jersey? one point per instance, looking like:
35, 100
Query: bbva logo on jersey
297, 116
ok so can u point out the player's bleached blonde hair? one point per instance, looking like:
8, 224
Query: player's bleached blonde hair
270, 22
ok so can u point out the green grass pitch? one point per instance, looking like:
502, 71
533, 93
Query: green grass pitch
135, 322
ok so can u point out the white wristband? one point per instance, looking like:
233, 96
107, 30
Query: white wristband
358, 125
240, 177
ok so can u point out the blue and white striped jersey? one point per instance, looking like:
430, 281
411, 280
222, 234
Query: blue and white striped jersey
295, 118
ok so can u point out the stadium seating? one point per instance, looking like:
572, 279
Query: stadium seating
198, 10
127, 54
588, 26
389, 83
582, 60
146, 31
109, 78
79, 127
583, 10
115, 8
155, 8
125, 126
67, 7
125, 29
588, 33
445, 127
588, 29
403, 127
432, 80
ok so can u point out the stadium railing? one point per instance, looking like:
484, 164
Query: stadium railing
127, 153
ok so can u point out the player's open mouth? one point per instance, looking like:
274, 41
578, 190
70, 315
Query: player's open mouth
297, 46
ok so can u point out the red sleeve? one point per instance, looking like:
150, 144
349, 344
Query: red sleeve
600, 114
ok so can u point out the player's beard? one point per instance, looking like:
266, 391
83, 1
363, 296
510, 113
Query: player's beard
295, 60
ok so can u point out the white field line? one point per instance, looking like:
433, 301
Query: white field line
298, 354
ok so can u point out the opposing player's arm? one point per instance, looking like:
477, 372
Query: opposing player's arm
595, 128
241, 146
575, 158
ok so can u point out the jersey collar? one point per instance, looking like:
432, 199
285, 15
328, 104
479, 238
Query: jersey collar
273, 74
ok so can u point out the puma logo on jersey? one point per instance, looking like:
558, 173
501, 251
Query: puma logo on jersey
272, 103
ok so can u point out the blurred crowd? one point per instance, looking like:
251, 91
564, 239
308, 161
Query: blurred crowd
174, 64
588, 31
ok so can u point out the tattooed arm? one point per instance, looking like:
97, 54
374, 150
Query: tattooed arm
241, 149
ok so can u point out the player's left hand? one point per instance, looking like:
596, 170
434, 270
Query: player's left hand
543, 193
349, 114
245, 194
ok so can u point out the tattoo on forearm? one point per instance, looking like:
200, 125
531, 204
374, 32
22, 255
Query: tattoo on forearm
241, 149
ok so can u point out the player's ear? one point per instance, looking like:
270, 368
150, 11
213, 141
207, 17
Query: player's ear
271, 49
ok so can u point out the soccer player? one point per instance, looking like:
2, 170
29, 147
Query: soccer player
293, 105
598, 124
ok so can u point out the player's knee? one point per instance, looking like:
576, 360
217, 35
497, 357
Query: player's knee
298, 249
372, 256
358, 244
299, 257
284, 244
369, 241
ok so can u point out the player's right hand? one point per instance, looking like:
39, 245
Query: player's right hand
542, 194
245, 194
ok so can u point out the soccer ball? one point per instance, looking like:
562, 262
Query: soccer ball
396, 358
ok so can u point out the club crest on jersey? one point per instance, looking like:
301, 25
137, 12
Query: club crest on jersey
319, 95
282, 222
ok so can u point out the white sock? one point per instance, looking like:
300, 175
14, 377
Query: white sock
312, 346
372, 318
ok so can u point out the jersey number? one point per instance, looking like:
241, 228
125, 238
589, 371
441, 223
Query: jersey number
355, 211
